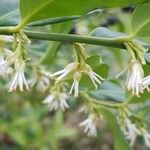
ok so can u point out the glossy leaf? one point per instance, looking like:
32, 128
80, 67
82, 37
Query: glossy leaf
109, 90
52, 21
141, 20
78, 7
41, 9
9, 13
106, 33
56, 20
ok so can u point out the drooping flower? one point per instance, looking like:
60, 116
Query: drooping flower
19, 80
146, 83
75, 84
131, 131
40, 79
5, 69
64, 72
83, 109
135, 76
77, 70
56, 100
95, 78
90, 126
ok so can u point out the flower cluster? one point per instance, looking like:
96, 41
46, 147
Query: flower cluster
136, 82
76, 70
40, 79
133, 128
15, 58
90, 125
56, 99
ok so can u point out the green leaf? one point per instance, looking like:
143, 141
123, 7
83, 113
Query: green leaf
147, 57
9, 13
42, 9
52, 21
109, 90
106, 33
94, 60
146, 69
101, 70
141, 20
119, 138
78, 7
34, 10
56, 20
143, 98
103, 32
144, 112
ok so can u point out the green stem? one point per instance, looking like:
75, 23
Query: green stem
69, 38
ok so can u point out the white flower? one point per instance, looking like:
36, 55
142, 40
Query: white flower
41, 80
130, 130
19, 79
77, 70
90, 126
146, 137
64, 72
95, 78
134, 77
83, 109
6, 38
5, 69
75, 85
56, 100
146, 82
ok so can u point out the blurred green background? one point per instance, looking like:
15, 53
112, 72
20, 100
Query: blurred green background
26, 124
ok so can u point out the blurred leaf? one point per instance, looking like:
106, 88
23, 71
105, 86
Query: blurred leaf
106, 33
53, 47
9, 13
58, 121
143, 98
146, 69
119, 138
144, 112
18, 136
147, 57
141, 20
109, 90
67, 133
